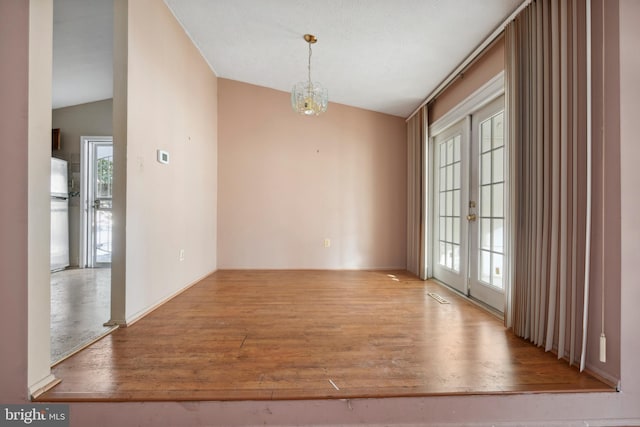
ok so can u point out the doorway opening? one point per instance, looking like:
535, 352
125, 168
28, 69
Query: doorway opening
81, 297
82, 104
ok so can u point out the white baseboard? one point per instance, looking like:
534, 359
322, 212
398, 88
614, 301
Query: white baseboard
547, 423
614, 382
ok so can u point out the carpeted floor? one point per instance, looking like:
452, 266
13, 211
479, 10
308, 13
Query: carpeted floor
80, 305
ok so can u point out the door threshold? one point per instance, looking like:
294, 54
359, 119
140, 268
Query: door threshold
82, 346
486, 307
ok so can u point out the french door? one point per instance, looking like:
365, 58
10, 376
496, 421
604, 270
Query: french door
451, 191
469, 205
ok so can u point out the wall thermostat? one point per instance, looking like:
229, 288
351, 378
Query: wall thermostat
163, 157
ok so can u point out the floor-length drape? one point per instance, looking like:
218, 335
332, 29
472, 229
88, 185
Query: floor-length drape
545, 85
416, 194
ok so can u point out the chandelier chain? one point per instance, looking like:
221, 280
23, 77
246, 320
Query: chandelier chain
309, 65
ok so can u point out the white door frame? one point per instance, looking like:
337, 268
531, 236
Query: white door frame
486, 94
87, 144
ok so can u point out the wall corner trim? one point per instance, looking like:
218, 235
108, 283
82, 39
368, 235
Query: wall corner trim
43, 386
478, 99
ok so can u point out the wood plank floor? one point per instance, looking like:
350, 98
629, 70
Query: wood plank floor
256, 335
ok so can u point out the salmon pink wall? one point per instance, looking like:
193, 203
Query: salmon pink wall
14, 74
486, 67
288, 182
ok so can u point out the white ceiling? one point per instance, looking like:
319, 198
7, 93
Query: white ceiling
380, 55
82, 51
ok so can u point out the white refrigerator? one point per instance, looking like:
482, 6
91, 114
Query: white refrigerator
59, 215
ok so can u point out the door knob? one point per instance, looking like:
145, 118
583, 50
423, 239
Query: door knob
471, 217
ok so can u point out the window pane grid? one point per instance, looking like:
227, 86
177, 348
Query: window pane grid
449, 198
491, 201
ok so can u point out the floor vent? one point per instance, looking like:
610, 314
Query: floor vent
438, 298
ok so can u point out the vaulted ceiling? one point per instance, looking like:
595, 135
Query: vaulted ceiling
380, 55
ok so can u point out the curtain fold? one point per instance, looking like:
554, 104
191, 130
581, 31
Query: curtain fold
416, 194
545, 72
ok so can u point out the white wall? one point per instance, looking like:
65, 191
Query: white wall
630, 206
120, 114
171, 105
39, 173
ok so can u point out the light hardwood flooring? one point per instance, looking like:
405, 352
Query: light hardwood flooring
259, 335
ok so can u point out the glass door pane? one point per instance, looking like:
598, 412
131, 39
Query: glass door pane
102, 203
450, 232
487, 232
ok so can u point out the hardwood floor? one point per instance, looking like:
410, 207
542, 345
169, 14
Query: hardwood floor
256, 335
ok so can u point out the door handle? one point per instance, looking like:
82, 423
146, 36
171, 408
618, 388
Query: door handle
471, 217
96, 204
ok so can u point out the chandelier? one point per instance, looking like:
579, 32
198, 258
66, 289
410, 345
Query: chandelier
309, 97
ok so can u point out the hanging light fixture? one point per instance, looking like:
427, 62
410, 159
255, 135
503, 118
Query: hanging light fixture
309, 97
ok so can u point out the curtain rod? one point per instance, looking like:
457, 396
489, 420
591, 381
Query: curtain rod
471, 58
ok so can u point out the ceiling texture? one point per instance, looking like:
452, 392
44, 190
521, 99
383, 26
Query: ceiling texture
379, 55
82, 51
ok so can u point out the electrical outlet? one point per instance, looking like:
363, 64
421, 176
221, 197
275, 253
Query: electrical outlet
181, 255
327, 243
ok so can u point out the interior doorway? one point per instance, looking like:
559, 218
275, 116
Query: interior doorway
469, 200
82, 104
81, 297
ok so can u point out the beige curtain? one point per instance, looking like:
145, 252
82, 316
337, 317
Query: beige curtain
545, 101
416, 194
